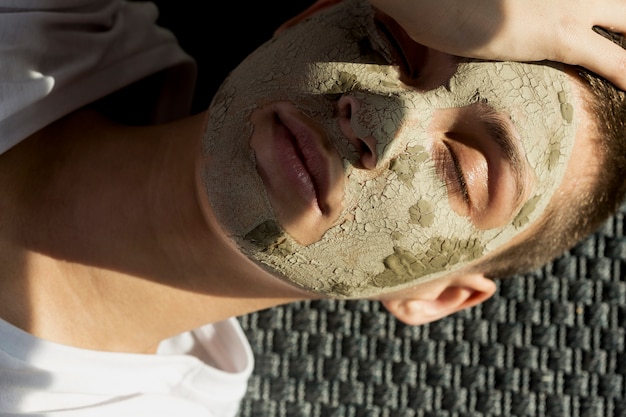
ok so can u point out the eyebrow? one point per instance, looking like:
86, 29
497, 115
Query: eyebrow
501, 129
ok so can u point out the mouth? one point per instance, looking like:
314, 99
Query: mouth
304, 152
301, 170
409, 55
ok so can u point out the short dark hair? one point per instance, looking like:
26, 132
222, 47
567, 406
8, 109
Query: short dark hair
573, 215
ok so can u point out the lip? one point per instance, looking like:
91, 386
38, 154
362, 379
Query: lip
300, 146
408, 54
306, 163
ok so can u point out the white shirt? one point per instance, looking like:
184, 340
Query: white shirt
58, 55
201, 373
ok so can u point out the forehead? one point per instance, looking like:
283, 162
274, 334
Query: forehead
341, 50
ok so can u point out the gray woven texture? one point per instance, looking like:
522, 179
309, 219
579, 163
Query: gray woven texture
551, 343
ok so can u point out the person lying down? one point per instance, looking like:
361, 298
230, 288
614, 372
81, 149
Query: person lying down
353, 162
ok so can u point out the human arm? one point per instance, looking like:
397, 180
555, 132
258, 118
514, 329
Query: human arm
529, 30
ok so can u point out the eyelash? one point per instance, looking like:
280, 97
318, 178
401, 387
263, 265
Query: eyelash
459, 178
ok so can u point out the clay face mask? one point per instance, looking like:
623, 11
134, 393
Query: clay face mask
446, 159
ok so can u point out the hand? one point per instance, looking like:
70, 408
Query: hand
513, 30
519, 30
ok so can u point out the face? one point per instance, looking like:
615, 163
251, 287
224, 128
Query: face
343, 171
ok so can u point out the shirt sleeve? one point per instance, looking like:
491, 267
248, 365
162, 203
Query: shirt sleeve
59, 55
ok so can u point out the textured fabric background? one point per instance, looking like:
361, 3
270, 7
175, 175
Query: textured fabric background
548, 344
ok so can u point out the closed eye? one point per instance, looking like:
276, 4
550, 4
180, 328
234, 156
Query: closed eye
457, 173
409, 55
449, 168
478, 156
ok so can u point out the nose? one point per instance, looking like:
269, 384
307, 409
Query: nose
365, 145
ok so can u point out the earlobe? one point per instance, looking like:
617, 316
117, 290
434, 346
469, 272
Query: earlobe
441, 301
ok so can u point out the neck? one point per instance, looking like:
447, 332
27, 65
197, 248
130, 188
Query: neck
107, 247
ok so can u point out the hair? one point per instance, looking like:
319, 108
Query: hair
572, 215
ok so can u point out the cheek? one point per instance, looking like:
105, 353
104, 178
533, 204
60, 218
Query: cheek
408, 202
430, 240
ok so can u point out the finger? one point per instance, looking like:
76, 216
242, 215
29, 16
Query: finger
605, 58
611, 34
610, 14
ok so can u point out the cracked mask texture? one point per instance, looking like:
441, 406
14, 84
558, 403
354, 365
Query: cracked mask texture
397, 228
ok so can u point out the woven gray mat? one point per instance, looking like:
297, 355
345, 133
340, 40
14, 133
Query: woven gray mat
549, 343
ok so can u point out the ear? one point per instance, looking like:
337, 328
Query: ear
440, 299
310, 11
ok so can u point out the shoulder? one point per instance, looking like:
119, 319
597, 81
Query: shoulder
60, 55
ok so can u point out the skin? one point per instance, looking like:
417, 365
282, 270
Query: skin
356, 179
122, 257
106, 242
564, 31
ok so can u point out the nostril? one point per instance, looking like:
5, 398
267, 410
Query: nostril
367, 152
365, 146
347, 105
